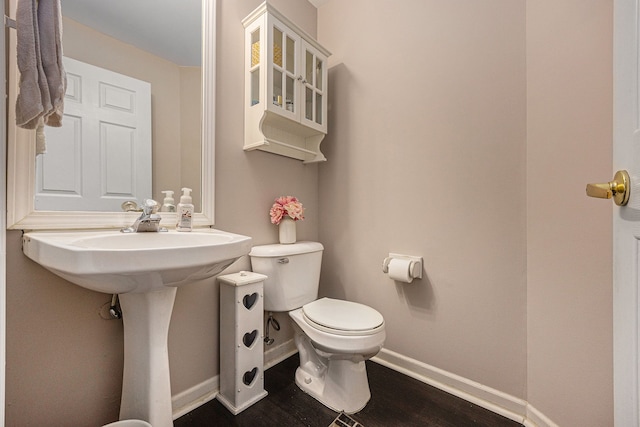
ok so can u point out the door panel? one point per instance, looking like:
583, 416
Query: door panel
101, 156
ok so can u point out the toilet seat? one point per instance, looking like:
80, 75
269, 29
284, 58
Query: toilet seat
341, 317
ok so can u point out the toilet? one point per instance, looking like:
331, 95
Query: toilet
334, 337
128, 423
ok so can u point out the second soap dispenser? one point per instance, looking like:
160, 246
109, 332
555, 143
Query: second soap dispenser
168, 202
185, 211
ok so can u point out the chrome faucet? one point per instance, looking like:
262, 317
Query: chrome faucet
149, 220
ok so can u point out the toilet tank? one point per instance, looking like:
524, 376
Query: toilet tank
293, 273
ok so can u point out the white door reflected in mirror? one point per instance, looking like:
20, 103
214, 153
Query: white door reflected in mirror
101, 156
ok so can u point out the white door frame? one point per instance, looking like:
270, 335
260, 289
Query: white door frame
3, 225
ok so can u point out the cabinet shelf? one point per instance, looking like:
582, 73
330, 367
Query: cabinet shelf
285, 87
285, 137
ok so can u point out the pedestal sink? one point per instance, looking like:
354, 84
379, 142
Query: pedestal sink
145, 269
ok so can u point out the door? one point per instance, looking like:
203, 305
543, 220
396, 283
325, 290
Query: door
101, 156
626, 219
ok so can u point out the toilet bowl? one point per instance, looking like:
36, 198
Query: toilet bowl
334, 337
129, 423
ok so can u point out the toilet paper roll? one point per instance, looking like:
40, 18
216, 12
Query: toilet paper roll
400, 270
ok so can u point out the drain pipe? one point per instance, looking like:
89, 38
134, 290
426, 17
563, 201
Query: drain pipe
114, 309
271, 321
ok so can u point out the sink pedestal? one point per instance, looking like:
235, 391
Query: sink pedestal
146, 386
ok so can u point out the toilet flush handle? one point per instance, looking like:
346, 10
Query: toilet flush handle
283, 261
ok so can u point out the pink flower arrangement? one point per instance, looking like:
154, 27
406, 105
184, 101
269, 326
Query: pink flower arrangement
286, 206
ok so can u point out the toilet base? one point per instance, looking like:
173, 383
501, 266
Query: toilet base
129, 423
343, 386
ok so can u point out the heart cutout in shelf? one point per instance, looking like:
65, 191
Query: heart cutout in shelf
249, 338
250, 300
249, 376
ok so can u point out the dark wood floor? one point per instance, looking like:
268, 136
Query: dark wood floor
396, 400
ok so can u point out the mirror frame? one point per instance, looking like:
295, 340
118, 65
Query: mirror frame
21, 155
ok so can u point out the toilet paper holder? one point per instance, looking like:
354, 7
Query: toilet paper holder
415, 265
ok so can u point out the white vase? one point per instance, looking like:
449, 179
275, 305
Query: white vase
287, 231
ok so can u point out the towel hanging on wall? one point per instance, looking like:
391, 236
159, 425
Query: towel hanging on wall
43, 81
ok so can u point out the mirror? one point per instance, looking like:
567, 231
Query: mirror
173, 164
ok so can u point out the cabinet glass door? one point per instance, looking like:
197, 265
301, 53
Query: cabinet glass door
254, 68
315, 83
284, 67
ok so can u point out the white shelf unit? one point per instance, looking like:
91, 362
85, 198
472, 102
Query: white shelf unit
241, 337
286, 87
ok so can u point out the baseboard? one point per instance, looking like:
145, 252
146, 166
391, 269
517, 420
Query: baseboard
536, 418
277, 354
508, 406
195, 396
494, 400
207, 390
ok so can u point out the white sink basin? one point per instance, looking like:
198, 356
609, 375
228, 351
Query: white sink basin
117, 263
145, 269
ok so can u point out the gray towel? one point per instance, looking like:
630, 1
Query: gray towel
42, 76
34, 96
50, 29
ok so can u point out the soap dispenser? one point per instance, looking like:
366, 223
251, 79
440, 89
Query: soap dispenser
185, 211
168, 203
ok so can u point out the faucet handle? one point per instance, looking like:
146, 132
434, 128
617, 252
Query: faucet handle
149, 206
130, 206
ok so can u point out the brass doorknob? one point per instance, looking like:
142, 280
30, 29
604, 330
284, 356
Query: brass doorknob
619, 189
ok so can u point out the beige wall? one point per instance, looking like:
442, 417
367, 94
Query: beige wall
426, 152
452, 124
190, 134
569, 280
445, 144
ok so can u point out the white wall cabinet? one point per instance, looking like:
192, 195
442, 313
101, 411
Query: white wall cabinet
285, 87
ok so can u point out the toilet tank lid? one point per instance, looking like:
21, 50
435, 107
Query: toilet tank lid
269, 251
